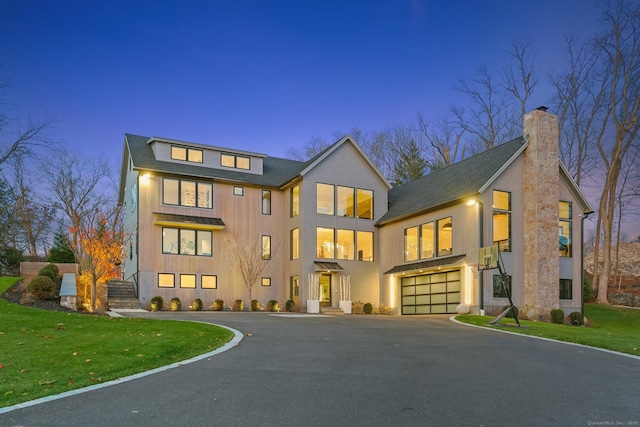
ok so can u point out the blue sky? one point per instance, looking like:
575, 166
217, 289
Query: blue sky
264, 75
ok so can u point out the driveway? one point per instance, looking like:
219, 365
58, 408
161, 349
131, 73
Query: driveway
363, 370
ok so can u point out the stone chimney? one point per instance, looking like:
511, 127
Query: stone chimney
541, 198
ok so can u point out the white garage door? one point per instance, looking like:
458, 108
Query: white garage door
435, 293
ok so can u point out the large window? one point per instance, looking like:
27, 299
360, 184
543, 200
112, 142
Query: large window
187, 193
325, 242
502, 220
445, 236
346, 244
235, 161
186, 242
411, 244
266, 202
266, 247
365, 245
566, 289
295, 243
499, 290
564, 229
365, 204
186, 154
346, 201
295, 200
324, 199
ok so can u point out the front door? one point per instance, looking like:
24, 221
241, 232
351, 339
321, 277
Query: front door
325, 290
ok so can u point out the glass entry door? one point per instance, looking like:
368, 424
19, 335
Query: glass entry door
325, 290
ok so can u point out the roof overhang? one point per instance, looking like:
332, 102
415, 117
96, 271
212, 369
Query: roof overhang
328, 266
187, 221
424, 265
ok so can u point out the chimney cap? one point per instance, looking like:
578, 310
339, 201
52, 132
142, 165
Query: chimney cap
542, 108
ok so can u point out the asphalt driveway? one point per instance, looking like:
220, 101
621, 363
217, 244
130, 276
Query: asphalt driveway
363, 370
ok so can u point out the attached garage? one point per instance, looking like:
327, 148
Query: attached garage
432, 293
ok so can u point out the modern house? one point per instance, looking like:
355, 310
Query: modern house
333, 220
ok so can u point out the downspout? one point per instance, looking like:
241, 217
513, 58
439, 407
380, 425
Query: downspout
481, 231
585, 216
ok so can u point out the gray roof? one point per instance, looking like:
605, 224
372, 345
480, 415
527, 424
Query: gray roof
450, 184
276, 171
426, 264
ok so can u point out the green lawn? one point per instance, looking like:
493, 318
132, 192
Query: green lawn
613, 328
45, 352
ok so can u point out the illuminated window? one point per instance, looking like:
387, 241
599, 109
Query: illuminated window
266, 281
295, 200
235, 161
325, 242
324, 199
346, 244
186, 242
186, 154
295, 243
346, 201
188, 281
427, 240
187, 193
266, 202
209, 282
566, 289
365, 245
564, 230
411, 244
502, 220
445, 236
365, 204
266, 247
166, 280
294, 291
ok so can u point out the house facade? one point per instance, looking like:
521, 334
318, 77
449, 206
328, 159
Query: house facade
333, 228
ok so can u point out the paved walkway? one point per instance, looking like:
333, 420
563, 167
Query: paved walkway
363, 370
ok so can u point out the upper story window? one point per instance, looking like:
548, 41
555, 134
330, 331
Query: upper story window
295, 243
564, 229
235, 161
266, 247
423, 242
295, 200
266, 202
502, 220
340, 244
187, 193
181, 241
186, 154
346, 201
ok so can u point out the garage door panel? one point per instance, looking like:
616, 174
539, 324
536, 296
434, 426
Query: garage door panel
437, 293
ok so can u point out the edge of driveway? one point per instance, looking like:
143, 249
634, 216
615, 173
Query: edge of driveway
619, 353
228, 346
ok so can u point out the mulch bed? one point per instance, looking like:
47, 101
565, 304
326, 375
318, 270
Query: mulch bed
17, 294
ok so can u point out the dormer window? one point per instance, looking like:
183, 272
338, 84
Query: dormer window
234, 161
186, 154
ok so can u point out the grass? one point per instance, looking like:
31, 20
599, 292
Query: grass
612, 328
44, 352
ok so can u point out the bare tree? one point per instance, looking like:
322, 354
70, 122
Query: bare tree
620, 47
248, 260
445, 140
520, 77
308, 150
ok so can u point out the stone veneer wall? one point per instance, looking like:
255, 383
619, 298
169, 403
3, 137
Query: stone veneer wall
541, 197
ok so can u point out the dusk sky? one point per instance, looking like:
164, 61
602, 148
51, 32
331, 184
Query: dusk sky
261, 76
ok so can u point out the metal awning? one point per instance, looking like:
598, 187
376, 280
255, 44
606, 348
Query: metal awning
188, 221
328, 266
438, 262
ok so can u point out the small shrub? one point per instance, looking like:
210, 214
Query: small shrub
238, 305
49, 270
196, 305
576, 318
42, 287
273, 305
218, 305
356, 307
557, 316
176, 304
157, 303
587, 295
255, 305
384, 309
289, 305
367, 308
510, 314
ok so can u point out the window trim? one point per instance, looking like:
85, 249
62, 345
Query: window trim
266, 209
295, 248
266, 239
294, 201
235, 158
569, 288
179, 195
509, 284
215, 279
173, 280
189, 275
265, 281
187, 154
179, 246
238, 190
501, 211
